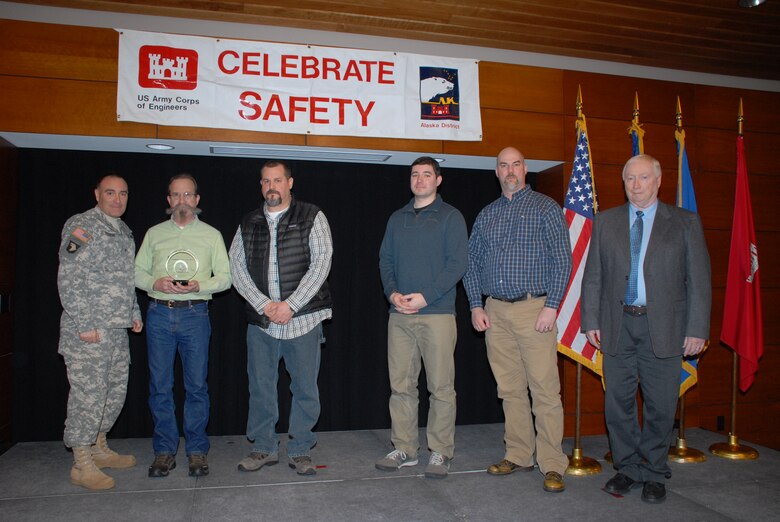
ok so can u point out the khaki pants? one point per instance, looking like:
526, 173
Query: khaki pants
431, 338
523, 359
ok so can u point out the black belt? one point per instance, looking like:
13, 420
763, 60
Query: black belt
517, 299
170, 303
635, 311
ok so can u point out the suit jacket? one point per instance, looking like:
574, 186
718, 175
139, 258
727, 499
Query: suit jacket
677, 279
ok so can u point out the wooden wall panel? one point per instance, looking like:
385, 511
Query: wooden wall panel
537, 136
64, 107
612, 97
752, 426
718, 151
762, 196
770, 308
717, 108
58, 51
592, 400
768, 253
715, 199
520, 88
610, 142
552, 181
609, 185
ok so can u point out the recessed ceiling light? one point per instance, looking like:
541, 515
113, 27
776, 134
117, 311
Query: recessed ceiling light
750, 3
159, 146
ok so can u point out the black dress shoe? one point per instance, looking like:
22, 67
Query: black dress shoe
620, 484
653, 492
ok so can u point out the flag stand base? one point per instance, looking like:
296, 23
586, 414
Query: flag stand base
581, 466
682, 454
733, 450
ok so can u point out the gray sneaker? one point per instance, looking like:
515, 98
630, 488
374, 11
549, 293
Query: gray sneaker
395, 460
302, 465
438, 466
257, 460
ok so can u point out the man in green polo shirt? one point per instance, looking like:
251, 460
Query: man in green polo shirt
181, 263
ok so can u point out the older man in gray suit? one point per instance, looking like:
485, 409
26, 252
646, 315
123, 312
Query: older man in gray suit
646, 297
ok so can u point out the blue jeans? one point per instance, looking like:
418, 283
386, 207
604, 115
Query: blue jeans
302, 360
186, 330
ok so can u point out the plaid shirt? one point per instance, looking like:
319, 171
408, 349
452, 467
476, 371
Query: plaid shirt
519, 246
321, 247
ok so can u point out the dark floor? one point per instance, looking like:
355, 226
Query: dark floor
34, 485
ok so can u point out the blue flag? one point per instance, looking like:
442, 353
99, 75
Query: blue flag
685, 199
685, 196
637, 138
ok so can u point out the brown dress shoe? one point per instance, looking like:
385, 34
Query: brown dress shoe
505, 467
553, 482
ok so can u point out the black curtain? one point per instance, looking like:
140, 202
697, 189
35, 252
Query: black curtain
357, 199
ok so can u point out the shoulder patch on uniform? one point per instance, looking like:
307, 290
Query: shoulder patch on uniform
78, 238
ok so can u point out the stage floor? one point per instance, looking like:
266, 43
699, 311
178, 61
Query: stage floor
35, 486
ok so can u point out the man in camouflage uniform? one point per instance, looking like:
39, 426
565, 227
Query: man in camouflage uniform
97, 290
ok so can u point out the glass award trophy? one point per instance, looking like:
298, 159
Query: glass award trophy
182, 265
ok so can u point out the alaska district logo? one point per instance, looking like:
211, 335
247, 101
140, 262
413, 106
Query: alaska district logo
439, 94
162, 67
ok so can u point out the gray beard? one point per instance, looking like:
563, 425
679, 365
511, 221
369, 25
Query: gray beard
273, 200
182, 211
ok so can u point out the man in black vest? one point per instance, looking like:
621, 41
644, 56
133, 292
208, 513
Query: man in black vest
280, 260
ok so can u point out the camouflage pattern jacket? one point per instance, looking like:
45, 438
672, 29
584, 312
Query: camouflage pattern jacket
96, 278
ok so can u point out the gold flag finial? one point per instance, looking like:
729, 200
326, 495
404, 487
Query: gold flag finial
740, 117
578, 105
636, 108
678, 116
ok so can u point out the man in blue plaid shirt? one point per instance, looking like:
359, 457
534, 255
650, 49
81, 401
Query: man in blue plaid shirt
519, 256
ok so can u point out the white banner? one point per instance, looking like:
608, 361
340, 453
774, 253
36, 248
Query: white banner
168, 79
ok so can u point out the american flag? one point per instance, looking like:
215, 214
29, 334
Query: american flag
578, 208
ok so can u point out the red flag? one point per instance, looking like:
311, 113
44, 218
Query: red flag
742, 322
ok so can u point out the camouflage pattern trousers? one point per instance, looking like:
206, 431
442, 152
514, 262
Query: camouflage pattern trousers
97, 373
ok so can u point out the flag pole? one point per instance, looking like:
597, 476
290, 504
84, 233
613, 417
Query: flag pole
733, 449
680, 452
579, 464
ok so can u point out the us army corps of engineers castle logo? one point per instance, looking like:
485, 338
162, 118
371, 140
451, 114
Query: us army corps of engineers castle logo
161, 67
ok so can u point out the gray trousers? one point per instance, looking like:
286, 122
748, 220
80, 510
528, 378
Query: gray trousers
97, 373
640, 453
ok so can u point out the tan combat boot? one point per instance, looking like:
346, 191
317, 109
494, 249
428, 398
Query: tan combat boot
85, 473
105, 457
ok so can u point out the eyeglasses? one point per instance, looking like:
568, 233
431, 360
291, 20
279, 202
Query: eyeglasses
182, 195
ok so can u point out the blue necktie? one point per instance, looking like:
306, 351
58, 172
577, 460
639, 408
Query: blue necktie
636, 246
